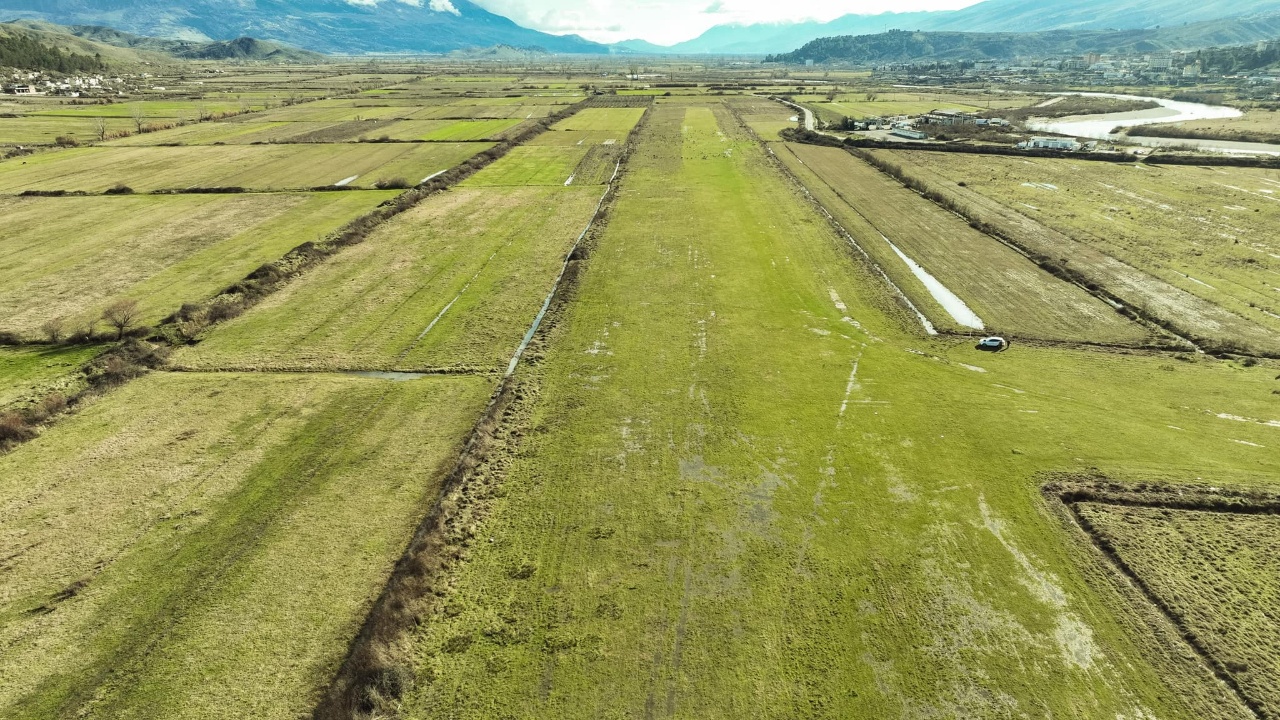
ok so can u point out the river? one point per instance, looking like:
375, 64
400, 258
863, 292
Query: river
1100, 127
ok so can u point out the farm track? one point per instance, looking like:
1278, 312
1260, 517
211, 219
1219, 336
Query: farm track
377, 654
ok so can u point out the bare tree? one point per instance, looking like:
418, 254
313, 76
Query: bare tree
53, 328
121, 315
139, 115
100, 128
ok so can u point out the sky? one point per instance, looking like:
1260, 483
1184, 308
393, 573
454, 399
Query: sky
670, 21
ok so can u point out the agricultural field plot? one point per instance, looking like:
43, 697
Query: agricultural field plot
30, 373
1142, 283
1217, 574
455, 282
487, 112
743, 490
1208, 231
30, 130
570, 138
457, 131
152, 109
531, 165
334, 111
765, 117
618, 121
70, 257
256, 167
210, 133
960, 278
218, 539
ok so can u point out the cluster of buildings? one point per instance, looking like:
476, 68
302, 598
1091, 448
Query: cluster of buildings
918, 127
1099, 69
33, 83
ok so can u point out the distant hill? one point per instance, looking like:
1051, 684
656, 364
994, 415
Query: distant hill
989, 16
117, 48
244, 48
329, 26
903, 46
32, 51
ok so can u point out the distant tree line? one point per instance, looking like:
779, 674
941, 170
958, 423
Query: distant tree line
27, 53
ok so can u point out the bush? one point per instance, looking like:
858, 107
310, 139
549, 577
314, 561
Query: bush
66, 141
392, 184
120, 189
52, 329
14, 429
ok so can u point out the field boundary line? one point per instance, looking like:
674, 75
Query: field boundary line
1069, 494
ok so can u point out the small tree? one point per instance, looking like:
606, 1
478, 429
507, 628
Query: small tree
53, 328
139, 115
100, 128
121, 315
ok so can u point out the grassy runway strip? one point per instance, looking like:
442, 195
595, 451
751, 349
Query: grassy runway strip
745, 491
205, 546
70, 257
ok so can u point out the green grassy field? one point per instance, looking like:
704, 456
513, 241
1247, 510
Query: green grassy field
1208, 231
470, 111
1218, 572
205, 546
733, 476
152, 109
747, 489
241, 132
30, 373
619, 121
531, 165
261, 167
42, 130
1008, 293
159, 250
453, 282
466, 130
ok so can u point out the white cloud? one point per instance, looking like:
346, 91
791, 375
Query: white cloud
671, 21
443, 6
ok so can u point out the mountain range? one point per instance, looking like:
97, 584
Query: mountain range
990, 16
358, 27
350, 27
